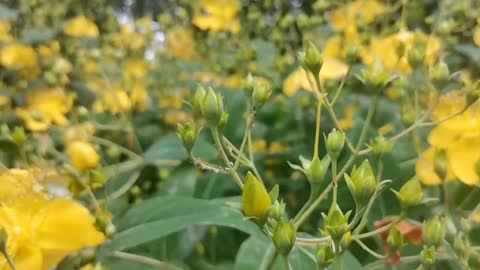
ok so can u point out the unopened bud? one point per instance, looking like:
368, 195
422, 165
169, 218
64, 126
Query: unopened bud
428, 256
352, 52
439, 74
311, 59
277, 211
19, 136
416, 56
260, 96
198, 97
410, 194
362, 183
249, 84
376, 77
97, 178
346, 241
187, 135
325, 256
381, 145
433, 232
336, 223
284, 236
473, 92
255, 199
317, 169
334, 144
395, 239
212, 107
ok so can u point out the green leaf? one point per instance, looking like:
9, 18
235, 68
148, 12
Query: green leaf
181, 181
161, 216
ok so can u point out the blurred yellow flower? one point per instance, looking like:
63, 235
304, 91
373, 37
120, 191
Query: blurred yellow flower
332, 69
139, 97
476, 35
135, 69
82, 155
48, 49
5, 31
81, 27
79, 132
41, 231
219, 15
180, 43
18, 57
362, 11
459, 137
45, 107
348, 119
114, 101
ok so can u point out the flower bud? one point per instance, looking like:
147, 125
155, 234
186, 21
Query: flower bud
249, 84
352, 53
223, 120
410, 194
277, 211
97, 178
255, 199
334, 144
212, 107
362, 183
311, 59
439, 74
433, 232
260, 96
395, 239
440, 163
465, 225
376, 77
284, 236
19, 136
3, 239
325, 256
336, 223
198, 97
428, 256
82, 155
317, 169
416, 56
381, 146
187, 135
346, 240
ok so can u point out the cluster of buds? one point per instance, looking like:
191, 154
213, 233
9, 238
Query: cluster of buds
432, 235
187, 135
381, 146
259, 93
362, 183
336, 226
209, 104
325, 256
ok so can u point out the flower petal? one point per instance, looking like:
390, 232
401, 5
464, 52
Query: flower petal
462, 157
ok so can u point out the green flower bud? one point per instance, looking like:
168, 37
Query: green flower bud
325, 256
249, 84
352, 53
19, 136
336, 223
113, 152
334, 144
439, 74
3, 239
381, 146
223, 120
440, 163
376, 77
277, 211
362, 183
395, 239
428, 256
410, 194
284, 236
408, 116
212, 107
433, 232
465, 225
416, 56
316, 169
187, 135
311, 60
198, 97
97, 178
255, 199
260, 96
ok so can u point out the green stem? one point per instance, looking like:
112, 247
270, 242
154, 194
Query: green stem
248, 129
218, 143
317, 129
342, 84
338, 261
271, 262
334, 181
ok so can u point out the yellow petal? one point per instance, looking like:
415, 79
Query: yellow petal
82, 155
28, 258
425, 170
442, 137
333, 69
65, 226
476, 35
255, 199
462, 157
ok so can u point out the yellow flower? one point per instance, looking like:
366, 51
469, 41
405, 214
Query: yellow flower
332, 69
79, 132
81, 27
41, 231
459, 137
18, 57
180, 43
219, 16
364, 11
136, 69
115, 101
259, 145
45, 107
5, 31
348, 119
476, 35
139, 97
255, 199
49, 49
82, 155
